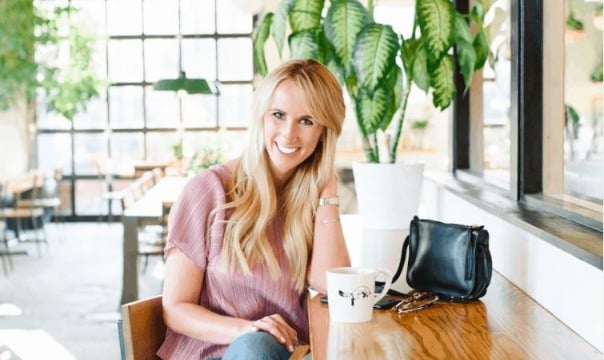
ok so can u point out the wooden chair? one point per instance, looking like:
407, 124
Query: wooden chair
142, 330
32, 216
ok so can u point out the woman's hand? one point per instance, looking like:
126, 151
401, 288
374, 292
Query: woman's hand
278, 327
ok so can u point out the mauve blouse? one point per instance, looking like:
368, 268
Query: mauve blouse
234, 294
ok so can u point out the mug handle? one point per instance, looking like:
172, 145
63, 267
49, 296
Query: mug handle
388, 276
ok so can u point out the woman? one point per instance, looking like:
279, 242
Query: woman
248, 236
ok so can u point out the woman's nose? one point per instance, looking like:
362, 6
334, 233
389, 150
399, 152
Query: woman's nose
289, 129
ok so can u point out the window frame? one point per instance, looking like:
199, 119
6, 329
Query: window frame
536, 164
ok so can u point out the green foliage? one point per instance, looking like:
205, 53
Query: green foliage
420, 124
573, 23
206, 157
375, 64
17, 65
67, 87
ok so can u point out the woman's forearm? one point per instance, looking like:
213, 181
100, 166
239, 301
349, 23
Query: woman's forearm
198, 322
329, 246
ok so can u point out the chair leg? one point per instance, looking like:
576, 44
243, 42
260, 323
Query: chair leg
7, 265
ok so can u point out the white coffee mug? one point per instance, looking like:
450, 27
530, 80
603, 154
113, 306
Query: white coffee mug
350, 293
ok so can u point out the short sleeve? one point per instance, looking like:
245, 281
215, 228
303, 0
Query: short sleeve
189, 218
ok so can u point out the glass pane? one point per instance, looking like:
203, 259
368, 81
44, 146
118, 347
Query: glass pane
89, 150
54, 152
126, 105
199, 111
497, 98
95, 204
231, 19
162, 109
235, 104
88, 197
124, 17
197, 16
199, 58
125, 60
65, 195
127, 149
161, 59
99, 60
46, 119
160, 146
584, 140
235, 59
92, 13
95, 116
161, 17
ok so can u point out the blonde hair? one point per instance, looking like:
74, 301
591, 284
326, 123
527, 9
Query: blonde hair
252, 198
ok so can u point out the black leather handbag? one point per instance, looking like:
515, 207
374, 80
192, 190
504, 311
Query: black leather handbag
450, 260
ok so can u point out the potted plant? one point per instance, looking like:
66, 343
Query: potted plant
377, 67
575, 30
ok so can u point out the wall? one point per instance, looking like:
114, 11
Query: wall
569, 288
14, 149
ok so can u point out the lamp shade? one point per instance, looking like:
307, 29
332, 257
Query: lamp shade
182, 83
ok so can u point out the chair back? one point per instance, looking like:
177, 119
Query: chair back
143, 328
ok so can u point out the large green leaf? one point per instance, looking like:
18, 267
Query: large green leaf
306, 44
259, 41
371, 109
466, 57
393, 86
442, 83
481, 47
461, 30
436, 19
421, 76
407, 54
279, 27
343, 22
305, 14
375, 54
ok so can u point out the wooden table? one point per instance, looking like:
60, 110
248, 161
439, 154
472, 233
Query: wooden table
143, 166
148, 207
505, 324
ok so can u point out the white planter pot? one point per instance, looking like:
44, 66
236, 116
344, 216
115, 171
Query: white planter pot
388, 195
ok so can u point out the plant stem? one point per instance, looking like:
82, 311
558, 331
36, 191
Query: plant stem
370, 148
399, 126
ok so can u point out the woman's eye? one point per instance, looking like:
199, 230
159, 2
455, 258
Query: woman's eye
278, 115
306, 122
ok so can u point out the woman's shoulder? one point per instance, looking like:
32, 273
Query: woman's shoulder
218, 174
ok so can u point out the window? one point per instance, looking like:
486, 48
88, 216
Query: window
539, 173
142, 41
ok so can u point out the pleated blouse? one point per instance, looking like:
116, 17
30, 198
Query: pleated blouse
234, 294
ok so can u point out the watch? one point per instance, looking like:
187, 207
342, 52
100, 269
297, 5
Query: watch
335, 201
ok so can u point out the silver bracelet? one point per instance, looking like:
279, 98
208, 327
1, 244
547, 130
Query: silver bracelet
335, 201
330, 221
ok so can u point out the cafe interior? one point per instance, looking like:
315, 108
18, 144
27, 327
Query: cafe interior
111, 106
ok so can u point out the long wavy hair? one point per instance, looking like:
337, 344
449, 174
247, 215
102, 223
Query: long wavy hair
252, 199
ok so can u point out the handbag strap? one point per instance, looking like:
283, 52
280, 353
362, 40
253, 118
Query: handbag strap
401, 263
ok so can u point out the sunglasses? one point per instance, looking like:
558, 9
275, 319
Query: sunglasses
415, 300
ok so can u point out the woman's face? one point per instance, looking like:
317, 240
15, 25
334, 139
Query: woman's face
291, 134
